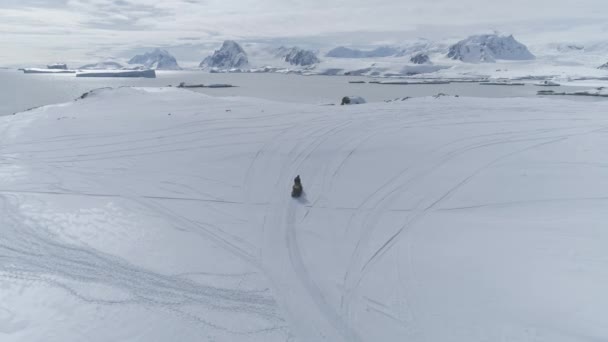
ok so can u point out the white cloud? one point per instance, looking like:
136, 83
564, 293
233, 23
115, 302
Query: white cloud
44, 30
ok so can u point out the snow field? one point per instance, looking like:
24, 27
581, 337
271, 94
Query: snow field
161, 214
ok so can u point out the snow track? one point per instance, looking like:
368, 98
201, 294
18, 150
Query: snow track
166, 215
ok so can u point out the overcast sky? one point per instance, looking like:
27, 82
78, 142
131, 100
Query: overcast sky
62, 30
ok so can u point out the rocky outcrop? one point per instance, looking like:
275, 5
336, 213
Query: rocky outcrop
230, 56
352, 100
420, 58
299, 57
489, 48
157, 59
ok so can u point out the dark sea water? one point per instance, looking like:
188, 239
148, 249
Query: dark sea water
19, 91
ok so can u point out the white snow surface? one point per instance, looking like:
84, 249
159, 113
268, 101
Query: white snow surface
160, 214
47, 71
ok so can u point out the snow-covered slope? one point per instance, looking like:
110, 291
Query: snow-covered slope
102, 66
230, 56
489, 48
157, 59
344, 52
165, 215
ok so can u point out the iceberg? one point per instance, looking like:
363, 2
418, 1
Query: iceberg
47, 71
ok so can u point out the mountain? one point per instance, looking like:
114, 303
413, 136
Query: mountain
298, 56
230, 56
488, 48
157, 59
344, 52
102, 66
603, 66
420, 58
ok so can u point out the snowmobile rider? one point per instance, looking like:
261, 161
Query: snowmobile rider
297, 189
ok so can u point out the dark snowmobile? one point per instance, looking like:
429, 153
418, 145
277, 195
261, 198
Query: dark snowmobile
297, 189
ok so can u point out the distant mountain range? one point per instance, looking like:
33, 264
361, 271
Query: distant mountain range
412, 57
157, 59
344, 52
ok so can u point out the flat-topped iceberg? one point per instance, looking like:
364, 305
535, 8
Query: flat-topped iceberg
47, 71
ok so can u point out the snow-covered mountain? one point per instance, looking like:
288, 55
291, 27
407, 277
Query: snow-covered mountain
420, 58
603, 66
344, 52
157, 59
489, 48
102, 66
230, 56
298, 56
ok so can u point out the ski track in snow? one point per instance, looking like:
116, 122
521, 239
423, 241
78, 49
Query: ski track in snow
30, 253
270, 150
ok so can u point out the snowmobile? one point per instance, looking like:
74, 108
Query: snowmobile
297, 189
